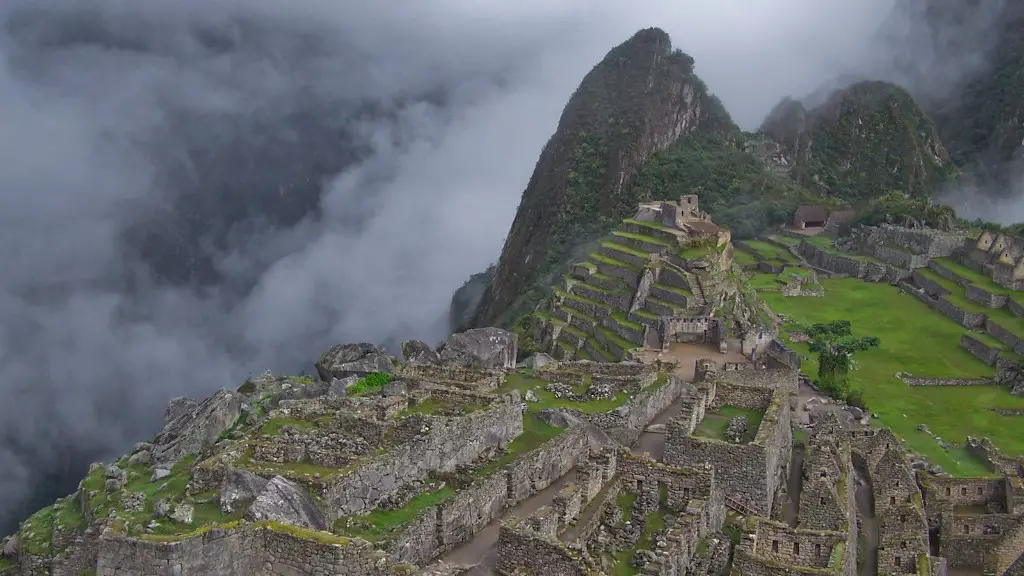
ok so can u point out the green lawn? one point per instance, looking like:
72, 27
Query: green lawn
920, 341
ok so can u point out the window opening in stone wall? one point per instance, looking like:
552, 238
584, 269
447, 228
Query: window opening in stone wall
824, 474
903, 545
967, 529
892, 500
897, 562
775, 546
903, 518
822, 500
963, 491
796, 548
980, 491
817, 549
897, 483
949, 491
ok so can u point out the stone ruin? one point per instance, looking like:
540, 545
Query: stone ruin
750, 472
979, 522
662, 278
298, 476
999, 255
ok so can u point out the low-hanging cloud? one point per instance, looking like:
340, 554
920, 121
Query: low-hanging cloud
191, 192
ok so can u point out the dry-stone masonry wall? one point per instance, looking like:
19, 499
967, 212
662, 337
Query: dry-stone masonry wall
449, 443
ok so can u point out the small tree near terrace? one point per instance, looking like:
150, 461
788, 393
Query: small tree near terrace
835, 345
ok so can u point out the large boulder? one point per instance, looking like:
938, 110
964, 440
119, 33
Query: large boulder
539, 360
11, 545
198, 428
419, 352
481, 348
178, 406
285, 502
239, 486
342, 360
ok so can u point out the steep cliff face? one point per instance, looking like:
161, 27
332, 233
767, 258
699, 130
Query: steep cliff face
865, 140
639, 99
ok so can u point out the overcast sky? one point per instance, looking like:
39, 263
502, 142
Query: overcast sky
92, 92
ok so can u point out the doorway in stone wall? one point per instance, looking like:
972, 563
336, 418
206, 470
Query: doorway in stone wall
652, 340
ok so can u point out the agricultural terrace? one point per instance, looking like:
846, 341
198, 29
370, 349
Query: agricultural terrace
919, 341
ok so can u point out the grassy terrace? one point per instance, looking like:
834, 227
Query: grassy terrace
769, 251
715, 423
923, 342
642, 238
598, 257
743, 257
524, 382
958, 296
626, 249
977, 278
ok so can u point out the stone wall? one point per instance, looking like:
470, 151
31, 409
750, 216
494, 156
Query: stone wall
539, 468
984, 352
927, 381
968, 541
779, 543
782, 354
984, 297
933, 288
750, 472
942, 491
773, 379
521, 547
743, 397
449, 443
970, 320
625, 423
248, 549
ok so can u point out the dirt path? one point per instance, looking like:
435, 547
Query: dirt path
866, 521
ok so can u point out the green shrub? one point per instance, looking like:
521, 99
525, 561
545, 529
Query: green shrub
370, 383
856, 398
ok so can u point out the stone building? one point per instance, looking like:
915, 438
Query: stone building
978, 522
903, 545
751, 472
1000, 255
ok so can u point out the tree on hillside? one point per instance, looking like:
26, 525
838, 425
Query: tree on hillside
835, 345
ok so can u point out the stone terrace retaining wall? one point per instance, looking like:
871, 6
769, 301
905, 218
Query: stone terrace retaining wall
982, 351
247, 549
970, 320
1000, 333
985, 298
449, 443
930, 286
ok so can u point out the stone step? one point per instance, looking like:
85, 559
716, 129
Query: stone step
608, 266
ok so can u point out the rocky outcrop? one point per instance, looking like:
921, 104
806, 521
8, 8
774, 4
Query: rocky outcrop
240, 486
283, 501
342, 360
197, 428
638, 100
481, 348
419, 352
